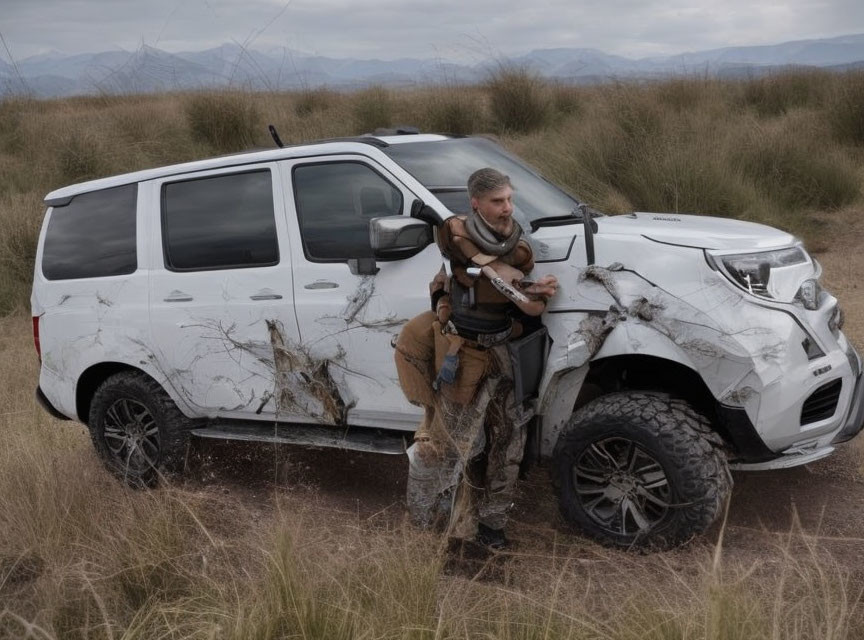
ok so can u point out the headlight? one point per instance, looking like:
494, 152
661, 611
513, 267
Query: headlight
752, 271
809, 294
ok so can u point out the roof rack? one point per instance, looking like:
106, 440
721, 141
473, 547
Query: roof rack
365, 139
398, 130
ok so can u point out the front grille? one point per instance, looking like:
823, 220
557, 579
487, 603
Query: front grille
822, 403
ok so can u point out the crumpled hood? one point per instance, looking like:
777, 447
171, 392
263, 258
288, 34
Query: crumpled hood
704, 232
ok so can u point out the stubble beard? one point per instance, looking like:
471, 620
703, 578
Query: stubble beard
503, 227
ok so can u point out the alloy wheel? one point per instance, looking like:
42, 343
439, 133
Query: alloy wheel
621, 487
132, 435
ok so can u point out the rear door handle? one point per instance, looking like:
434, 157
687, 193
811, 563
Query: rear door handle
321, 284
177, 296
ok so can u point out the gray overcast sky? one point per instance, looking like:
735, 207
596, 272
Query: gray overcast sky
465, 30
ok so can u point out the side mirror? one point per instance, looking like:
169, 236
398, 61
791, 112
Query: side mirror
423, 211
398, 237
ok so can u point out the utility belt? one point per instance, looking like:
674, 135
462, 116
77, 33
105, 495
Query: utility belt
480, 340
487, 324
527, 356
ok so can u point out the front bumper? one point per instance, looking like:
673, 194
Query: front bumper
792, 458
851, 426
855, 416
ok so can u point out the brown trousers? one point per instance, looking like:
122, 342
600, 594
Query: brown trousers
450, 483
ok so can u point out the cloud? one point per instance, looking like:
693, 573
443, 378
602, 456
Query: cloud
391, 29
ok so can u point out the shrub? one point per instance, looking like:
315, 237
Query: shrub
585, 156
20, 220
150, 133
566, 99
846, 111
372, 109
11, 122
518, 99
683, 93
797, 171
81, 155
225, 121
681, 176
777, 93
636, 111
453, 110
308, 101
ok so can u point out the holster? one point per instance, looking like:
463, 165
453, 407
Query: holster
528, 357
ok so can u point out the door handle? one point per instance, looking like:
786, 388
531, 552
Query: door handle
265, 294
321, 284
177, 296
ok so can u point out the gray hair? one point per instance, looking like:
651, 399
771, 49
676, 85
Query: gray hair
486, 180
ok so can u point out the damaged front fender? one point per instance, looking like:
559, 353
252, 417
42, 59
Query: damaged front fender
736, 349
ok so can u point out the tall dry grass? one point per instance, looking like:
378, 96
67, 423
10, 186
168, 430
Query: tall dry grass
83, 556
519, 99
784, 149
225, 121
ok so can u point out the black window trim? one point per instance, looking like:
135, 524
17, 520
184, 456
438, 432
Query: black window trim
162, 220
393, 183
41, 260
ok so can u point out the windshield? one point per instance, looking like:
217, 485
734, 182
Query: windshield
443, 167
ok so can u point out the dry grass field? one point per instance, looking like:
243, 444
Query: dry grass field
278, 542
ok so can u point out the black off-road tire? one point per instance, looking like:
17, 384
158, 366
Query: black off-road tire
622, 446
131, 402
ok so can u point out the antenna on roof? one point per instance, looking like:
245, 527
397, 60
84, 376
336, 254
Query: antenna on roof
275, 135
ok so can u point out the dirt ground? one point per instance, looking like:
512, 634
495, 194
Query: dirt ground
822, 502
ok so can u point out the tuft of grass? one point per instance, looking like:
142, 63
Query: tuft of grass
778, 93
791, 165
518, 99
566, 100
453, 110
687, 93
637, 112
151, 132
12, 112
309, 101
225, 121
20, 221
82, 154
372, 109
677, 177
846, 110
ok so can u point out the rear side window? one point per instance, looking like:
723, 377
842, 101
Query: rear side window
220, 222
93, 236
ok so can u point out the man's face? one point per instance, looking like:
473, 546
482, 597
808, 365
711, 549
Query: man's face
496, 207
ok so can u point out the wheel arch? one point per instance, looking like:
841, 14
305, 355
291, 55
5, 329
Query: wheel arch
92, 377
640, 372
615, 373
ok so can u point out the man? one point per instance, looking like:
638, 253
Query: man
454, 362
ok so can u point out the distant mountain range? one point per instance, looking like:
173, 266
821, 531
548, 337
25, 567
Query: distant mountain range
150, 70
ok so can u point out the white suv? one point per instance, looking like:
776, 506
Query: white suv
256, 297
